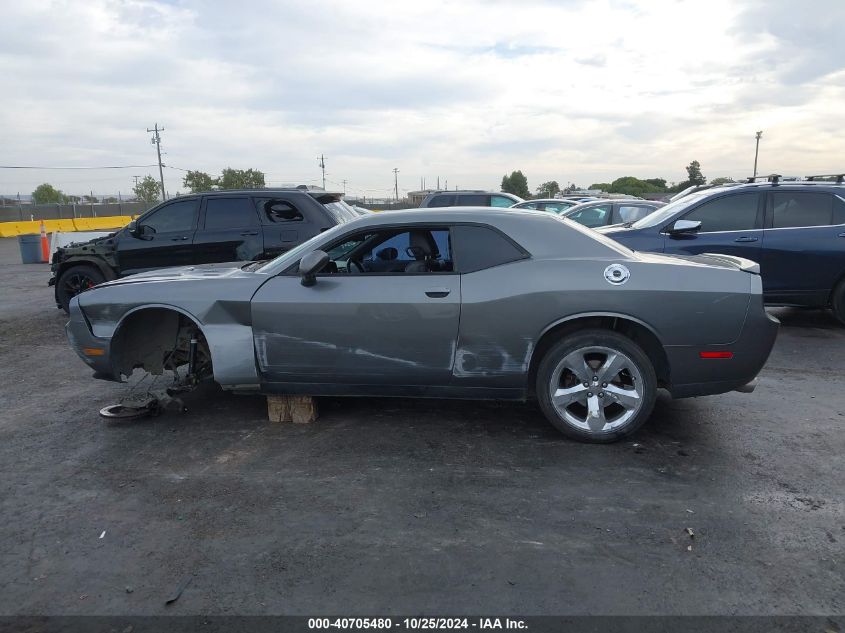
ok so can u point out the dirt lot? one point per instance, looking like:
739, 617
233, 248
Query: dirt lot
400, 506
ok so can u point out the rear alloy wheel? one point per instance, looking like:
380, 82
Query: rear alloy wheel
74, 280
837, 300
596, 386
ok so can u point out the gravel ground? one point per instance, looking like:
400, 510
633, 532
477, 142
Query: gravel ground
403, 506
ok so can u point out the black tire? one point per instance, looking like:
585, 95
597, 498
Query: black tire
837, 301
550, 369
74, 280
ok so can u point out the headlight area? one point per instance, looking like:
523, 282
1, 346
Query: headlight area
91, 349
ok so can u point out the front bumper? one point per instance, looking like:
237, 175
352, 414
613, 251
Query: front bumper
93, 350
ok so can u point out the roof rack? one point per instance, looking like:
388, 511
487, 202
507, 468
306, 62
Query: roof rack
839, 177
772, 178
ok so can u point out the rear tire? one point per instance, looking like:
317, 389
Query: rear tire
837, 301
596, 386
74, 280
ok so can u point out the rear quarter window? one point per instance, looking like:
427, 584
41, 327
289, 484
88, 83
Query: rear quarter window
480, 247
441, 201
473, 200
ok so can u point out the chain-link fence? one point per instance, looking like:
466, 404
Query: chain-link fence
22, 212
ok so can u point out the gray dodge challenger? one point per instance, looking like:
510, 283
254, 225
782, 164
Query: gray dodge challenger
460, 302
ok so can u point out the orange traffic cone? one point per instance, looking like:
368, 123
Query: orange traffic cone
45, 245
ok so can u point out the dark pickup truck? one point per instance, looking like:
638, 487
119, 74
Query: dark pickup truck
218, 226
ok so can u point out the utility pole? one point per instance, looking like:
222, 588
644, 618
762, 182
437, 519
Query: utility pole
136, 181
344, 186
156, 140
396, 183
757, 151
323, 167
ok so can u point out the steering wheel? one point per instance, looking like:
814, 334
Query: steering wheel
351, 263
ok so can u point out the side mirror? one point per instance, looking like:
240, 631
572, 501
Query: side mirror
310, 265
684, 227
132, 228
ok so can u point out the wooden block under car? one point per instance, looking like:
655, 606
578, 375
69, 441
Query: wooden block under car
296, 409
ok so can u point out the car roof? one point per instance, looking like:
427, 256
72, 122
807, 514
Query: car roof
591, 203
554, 200
768, 184
263, 190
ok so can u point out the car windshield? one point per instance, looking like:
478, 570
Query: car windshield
664, 213
341, 211
595, 235
286, 259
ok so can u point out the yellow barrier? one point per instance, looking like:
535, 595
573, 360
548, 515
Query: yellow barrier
29, 227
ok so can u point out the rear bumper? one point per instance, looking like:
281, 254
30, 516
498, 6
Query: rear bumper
93, 350
692, 375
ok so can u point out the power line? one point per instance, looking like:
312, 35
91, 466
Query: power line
102, 167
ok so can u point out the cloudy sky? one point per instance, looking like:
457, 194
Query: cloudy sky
576, 91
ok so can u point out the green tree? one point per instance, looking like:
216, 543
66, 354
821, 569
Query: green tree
631, 186
241, 179
695, 176
516, 184
147, 190
47, 194
198, 181
660, 183
721, 181
548, 189
601, 186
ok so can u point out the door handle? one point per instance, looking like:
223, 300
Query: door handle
437, 293
178, 239
249, 233
745, 239
842, 235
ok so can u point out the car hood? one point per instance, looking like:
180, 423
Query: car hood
185, 273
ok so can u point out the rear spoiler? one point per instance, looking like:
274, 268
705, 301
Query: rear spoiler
740, 262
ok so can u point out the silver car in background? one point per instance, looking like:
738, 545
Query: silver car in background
460, 302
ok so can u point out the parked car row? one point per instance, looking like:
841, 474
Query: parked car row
464, 301
461, 302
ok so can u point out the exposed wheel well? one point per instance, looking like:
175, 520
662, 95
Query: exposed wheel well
158, 339
100, 265
638, 333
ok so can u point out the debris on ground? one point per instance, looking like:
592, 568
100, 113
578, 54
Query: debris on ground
182, 585
690, 532
103, 534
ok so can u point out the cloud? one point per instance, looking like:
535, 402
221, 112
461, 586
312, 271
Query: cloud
571, 91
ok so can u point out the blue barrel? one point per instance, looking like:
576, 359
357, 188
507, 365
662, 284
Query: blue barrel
30, 248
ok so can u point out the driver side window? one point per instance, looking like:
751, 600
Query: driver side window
416, 250
176, 216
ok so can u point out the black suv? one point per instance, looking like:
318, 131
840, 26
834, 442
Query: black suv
203, 228
469, 198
